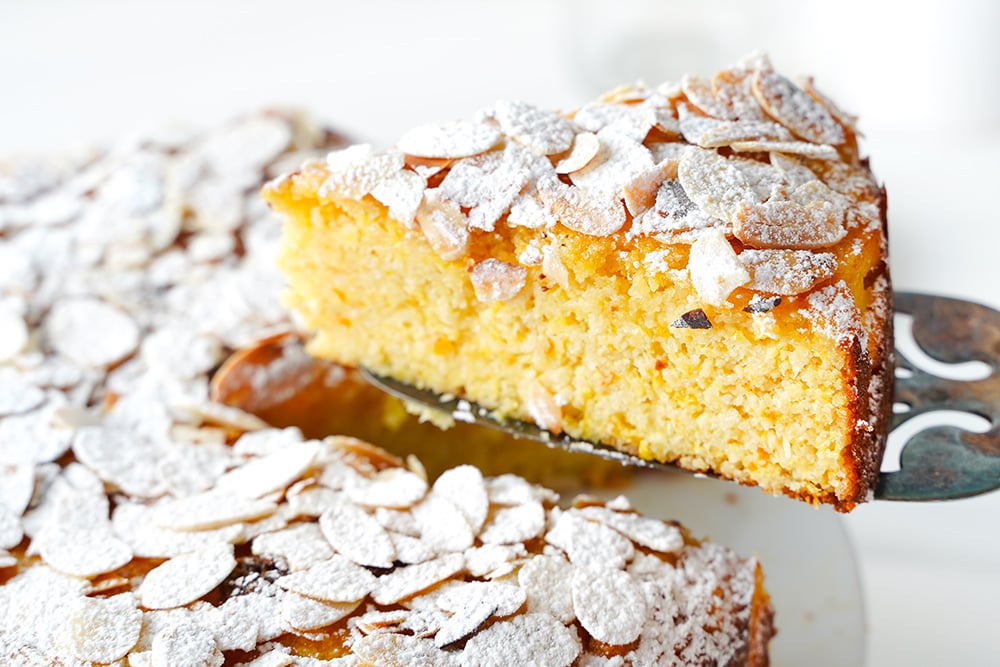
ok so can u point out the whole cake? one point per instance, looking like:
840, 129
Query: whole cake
694, 273
148, 517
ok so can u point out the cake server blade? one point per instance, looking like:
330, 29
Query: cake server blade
941, 462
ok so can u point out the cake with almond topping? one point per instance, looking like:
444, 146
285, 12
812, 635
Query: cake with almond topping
151, 512
694, 273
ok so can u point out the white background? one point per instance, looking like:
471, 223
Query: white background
924, 77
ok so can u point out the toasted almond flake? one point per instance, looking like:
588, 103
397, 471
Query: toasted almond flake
210, 510
701, 94
467, 620
543, 131
546, 581
541, 405
598, 589
443, 527
11, 532
120, 457
518, 523
103, 629
585, 542
795, 109
312, 502
188, 645
17, 485
81, 551
376, 620
335, 580
464, 486
792, 170
494, 280
450, 140
401, 193
302, 613
526, 639
392, 488
90, 332
273, 472
600, 214
788, 224
585, 147
619, 161
301, 546
13, 334
787, 272
356, 534
672, 212
632, 121
225, 415
134, 524
17, 395
732, 89
357, 170
527, 211
803, 148
394, 650
554, 268
644, 531
752, 131
398, 521
185, 578
714, 183
406, 581
845, 119
493, 560
507, 598
513, 490
640, 193
411, 549
444, 225
715, 268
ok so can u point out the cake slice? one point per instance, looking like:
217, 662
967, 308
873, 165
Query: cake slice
694, 273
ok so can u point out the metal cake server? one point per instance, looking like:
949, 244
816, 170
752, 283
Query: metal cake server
941, 462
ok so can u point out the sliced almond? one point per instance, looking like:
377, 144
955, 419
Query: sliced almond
335, 580
547, 582
543, 131
404, 582
273, 472
716, 184
401, 193
787, 224
185, 578
787, 272
450, 140
357, 534
585, 542
523, 640
444, 225
795, 109
494, 280
392, 488
598, 214
645, 531
715, 268
464, 487
510, 525
210, 510
304, 614
91, 332
597, 589
585, 147
103, 629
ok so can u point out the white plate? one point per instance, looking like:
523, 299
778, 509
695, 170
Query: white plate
808, 562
